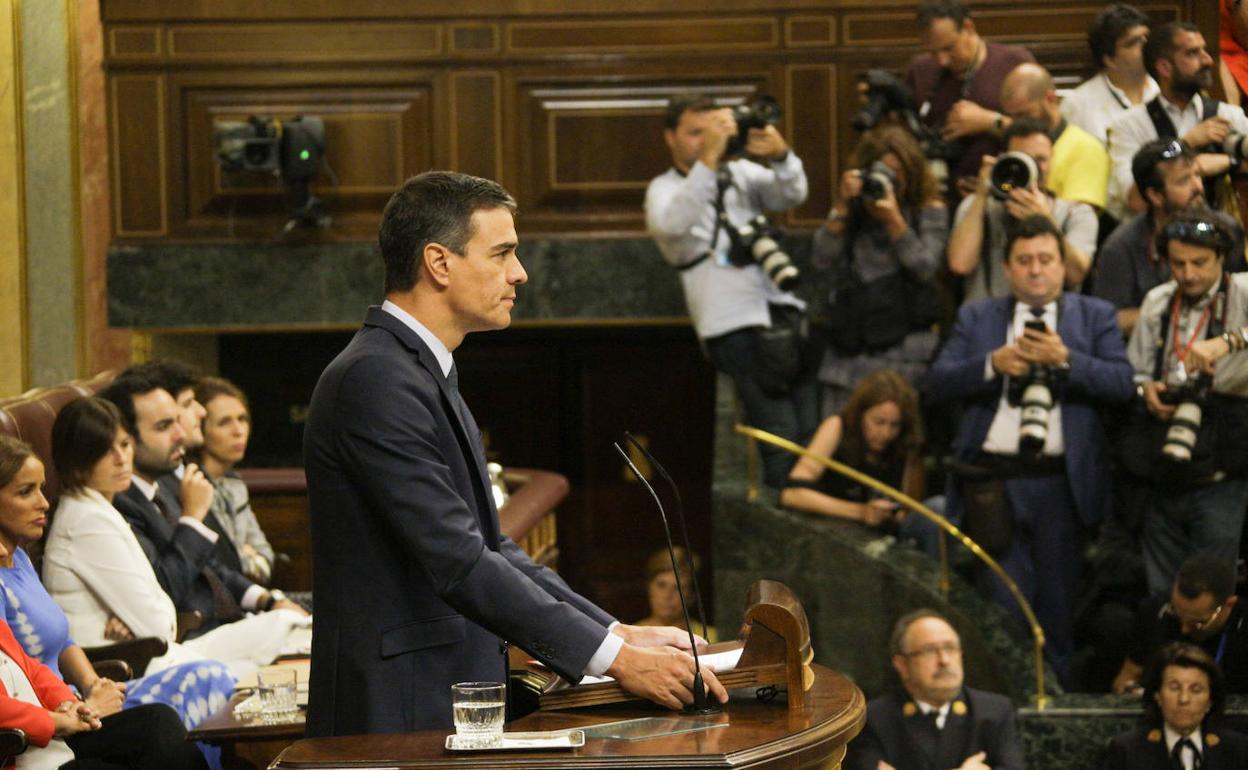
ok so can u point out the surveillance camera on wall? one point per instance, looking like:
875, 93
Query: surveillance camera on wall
289, 149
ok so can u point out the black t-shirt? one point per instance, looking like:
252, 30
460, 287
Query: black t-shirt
1229, 647
836, 485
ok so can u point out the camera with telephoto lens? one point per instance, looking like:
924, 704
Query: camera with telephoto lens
762, 112
1236, 145
887, 95
757, 241
877, 180
1013, 171
1033, 392
1187, 395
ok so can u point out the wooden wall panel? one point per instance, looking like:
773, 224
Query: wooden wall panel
562, 102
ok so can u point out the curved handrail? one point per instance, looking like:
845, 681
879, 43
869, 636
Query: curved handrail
1037, 633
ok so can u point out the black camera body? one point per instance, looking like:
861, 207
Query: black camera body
760, 113
288, 149
1189, 398
758, 242
877, 180
1035, 392
887, 95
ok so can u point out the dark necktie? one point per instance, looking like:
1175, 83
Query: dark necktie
224, 607
1037, 311
1176, 755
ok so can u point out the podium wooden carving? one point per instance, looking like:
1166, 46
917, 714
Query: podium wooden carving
777, 651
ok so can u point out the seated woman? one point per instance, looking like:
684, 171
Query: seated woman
195, 689
1184, 695
227, 426
32, 695
665, 609
883, 244
877, 433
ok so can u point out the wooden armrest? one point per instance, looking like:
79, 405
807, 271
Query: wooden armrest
188, 622
12, 742
539, 493
133, 654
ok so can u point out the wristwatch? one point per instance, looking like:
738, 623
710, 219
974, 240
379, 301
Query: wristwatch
275, 596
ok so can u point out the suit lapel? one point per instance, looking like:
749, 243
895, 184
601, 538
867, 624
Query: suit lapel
954, 746
467, 434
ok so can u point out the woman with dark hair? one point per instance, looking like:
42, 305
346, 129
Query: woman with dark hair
33, 697
878, 432
883, 244
1184, 695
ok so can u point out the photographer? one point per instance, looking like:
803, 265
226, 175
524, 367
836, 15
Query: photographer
1032, 371
1186, 442
985, 219
752, 330
883, 240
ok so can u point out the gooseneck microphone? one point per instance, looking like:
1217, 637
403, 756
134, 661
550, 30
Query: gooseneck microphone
701, 704
680, 519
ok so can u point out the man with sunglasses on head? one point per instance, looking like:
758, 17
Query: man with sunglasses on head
934, 721
1128, 266
1201, 608
1185, 442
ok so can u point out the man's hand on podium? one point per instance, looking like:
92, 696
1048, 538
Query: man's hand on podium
657, 636
662, 674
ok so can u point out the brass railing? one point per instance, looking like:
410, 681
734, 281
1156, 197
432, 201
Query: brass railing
1037, 633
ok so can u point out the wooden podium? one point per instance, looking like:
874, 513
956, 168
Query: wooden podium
808, 725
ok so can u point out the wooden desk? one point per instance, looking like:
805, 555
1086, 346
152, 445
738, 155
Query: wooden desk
247, 743
759, 735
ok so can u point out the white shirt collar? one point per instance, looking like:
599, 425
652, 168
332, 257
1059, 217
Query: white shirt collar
1195, 105
148, 488
942, 713
1172, 737
1151, 89
445, 359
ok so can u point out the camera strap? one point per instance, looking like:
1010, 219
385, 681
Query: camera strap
723, 180
1214, 316
1165, 127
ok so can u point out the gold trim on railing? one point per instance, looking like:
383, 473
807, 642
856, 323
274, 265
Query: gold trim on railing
1037, 633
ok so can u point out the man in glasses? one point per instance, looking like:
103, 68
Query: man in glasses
1176, 56
1201, 608
1185, 446
1128, 265
934, 721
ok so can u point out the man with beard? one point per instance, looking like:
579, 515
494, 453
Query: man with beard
1202, 609
1176, 56
934, 722
1128, 265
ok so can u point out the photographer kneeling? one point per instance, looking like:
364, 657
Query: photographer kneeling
705, 214
1187, 445
1012, 187
1033, 372
883, 241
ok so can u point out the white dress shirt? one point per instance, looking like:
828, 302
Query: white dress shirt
1002, 435
1097, 102
611, 644
942, 713
1173, 737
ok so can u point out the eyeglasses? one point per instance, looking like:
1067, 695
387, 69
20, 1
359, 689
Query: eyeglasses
1167, 610
1205, 234
933, 650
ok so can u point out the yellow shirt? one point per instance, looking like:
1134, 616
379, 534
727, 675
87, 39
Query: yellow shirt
1079, 168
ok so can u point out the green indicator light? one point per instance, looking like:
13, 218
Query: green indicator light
304, 155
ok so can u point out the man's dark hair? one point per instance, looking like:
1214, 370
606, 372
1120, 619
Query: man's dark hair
898, 637
1160, 43
170, 374
1183, 655
931, 10
1033, 227
1025, 126
433, 207
691, 101
1146, 165
122, 391
84, 431
1205, 573
1196, 227
1109, 26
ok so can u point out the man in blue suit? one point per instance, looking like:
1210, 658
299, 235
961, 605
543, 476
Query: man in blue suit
1035, 499
416, 588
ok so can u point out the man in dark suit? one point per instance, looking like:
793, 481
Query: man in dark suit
416, 588
169, 520
1033, 495
934, 722
1183, 700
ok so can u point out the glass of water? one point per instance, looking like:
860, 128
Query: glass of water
278, 687
479, 709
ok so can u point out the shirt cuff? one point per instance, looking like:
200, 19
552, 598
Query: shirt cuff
605, 656
989, 374
199, 527
251, 597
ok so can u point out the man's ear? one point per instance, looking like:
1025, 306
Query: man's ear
899, 665
1230, 602
1155, 198
1165, 68
669, 136
434, 263
968, 25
